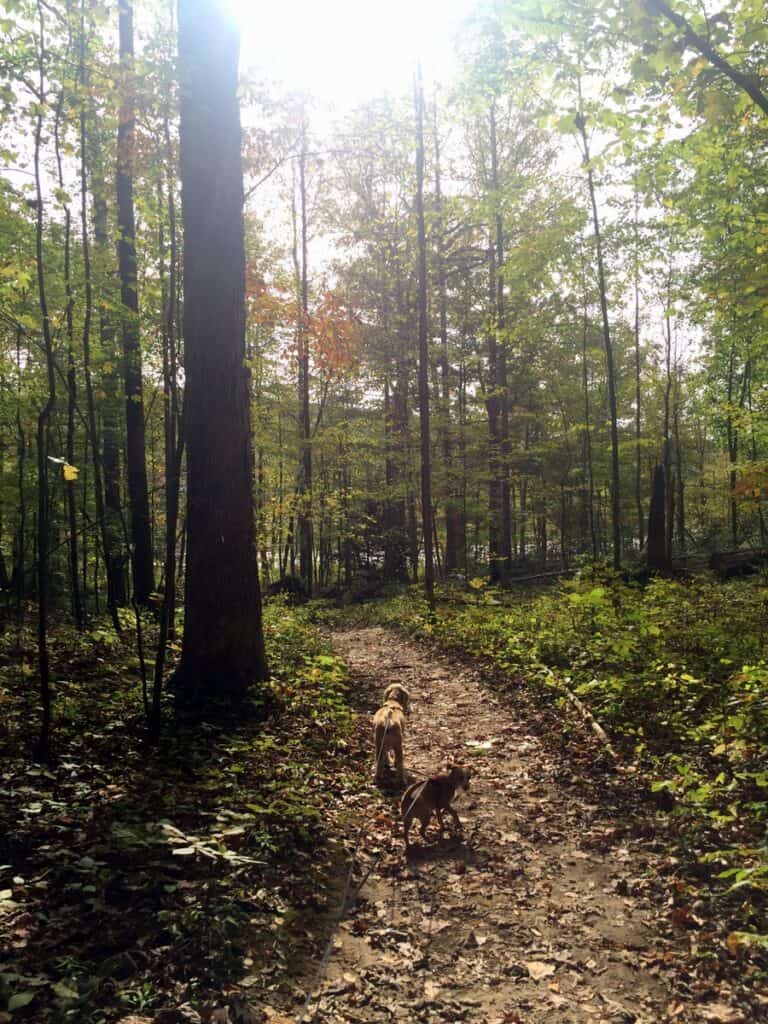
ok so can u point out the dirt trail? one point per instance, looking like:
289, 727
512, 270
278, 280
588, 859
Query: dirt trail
545, 909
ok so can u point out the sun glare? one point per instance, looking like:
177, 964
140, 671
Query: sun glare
343, 51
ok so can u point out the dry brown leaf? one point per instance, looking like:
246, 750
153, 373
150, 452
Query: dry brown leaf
539, 970
719, 1013
431, 989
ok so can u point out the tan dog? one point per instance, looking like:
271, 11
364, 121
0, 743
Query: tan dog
423, 799
397, 693
388, 732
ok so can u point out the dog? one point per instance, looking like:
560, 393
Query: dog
388, 733
423, 799
397, 693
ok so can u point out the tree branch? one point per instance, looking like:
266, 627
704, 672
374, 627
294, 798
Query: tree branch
705, 48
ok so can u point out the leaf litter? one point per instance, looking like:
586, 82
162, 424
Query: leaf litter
551, 905
556, 903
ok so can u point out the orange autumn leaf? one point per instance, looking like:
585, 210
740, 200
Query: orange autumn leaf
335, 335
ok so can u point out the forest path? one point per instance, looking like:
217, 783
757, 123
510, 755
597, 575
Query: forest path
545, 909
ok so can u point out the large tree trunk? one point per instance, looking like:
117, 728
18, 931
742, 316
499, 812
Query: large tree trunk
223, 648
138, 491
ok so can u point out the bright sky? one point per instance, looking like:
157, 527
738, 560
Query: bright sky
345, 51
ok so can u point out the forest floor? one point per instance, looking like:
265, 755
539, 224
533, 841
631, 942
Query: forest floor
558, 902
249, 870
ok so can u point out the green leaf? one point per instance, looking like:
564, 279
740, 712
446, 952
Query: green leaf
63, 991
20, 999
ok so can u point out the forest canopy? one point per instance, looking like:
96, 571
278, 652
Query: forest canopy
595, 228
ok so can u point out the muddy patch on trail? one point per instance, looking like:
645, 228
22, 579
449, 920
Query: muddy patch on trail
544, 907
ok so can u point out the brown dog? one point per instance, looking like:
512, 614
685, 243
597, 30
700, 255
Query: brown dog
423, 799
397, 693
388, 732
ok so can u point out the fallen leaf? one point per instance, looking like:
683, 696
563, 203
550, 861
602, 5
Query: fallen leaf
719, 1013
539, 970
20, 999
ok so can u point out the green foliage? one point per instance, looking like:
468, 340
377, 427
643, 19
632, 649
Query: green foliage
675, 671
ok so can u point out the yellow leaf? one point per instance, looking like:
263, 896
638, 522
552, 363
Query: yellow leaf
70, 472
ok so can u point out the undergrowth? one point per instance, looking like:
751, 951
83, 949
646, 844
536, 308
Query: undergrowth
676, 672
134, 876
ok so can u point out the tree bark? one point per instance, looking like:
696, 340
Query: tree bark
223, 647
138, 490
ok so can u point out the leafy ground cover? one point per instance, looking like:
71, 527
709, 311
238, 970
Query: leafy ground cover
133, 877
559, 902
675, 671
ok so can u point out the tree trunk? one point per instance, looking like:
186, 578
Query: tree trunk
174, 447
454, 527
681, 542
658, 560
304, 513
733, 448
638, 393
223, 648
77, 604
110, 530
138, 491
589, 466
499, 316
19, 560
426, 465
43, 745
610, 371
493, 408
